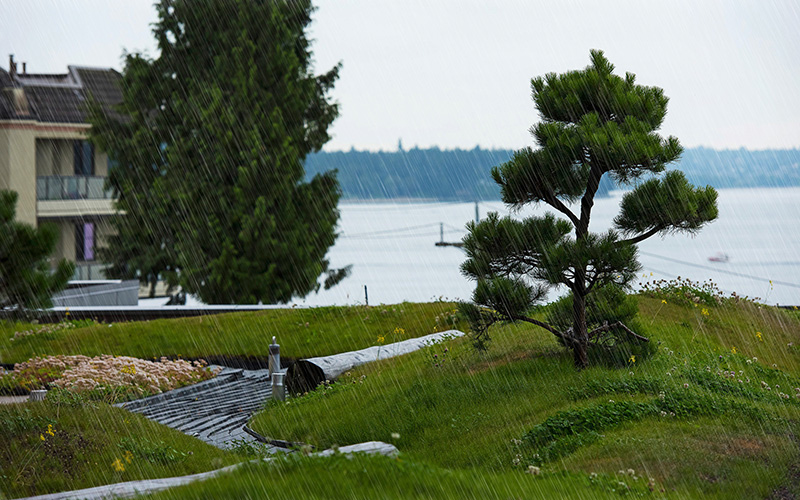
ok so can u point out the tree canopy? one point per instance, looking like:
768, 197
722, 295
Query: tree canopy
26, 281
210, 143
593, 123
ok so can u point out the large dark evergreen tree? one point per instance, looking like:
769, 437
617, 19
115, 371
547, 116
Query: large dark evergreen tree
26, 281
136, 136
210, 145
593, 123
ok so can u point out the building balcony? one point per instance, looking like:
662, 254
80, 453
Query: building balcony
73, 196
72, 187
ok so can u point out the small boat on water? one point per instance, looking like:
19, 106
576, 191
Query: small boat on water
719, 257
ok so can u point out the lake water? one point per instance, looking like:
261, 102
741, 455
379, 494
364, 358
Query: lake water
391, 247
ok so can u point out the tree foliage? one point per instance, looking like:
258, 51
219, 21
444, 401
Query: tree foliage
593, 123
211, 140
26, 281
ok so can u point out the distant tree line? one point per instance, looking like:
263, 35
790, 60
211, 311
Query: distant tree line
464, 175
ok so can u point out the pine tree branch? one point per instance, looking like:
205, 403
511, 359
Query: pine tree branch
554, 202
592, 281
593, 183
547, 327
618, 324
641, 237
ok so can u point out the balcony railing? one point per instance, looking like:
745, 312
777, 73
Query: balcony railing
63, 187
85, 271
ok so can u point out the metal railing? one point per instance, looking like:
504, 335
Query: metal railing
85, 271
72, 187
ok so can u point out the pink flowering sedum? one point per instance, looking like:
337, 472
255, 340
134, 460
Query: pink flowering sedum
84, 373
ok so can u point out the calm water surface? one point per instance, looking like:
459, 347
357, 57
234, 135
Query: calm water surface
391, 247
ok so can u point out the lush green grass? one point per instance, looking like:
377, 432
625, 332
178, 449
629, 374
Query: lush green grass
382, 477
300, 332
523, 403
468, 423
83, 444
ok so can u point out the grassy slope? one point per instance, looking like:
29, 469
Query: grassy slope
457, 421
386, 478
727, 439
300, 332
85, 442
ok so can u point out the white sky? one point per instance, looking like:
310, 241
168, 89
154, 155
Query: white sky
457, 73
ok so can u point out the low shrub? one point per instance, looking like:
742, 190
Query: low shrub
684, 291
608, 304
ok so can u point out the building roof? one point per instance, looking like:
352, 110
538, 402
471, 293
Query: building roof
61, 98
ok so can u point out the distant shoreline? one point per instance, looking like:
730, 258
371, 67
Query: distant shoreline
614, 193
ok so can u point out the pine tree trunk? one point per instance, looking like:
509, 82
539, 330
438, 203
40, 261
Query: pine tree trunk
579, 330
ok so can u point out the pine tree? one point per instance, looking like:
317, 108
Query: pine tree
593, 123
26, 281
212, 148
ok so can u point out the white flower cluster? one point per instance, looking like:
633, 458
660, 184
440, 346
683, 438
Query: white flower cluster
44, 329
84, 373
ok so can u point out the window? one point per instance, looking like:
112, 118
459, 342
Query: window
83, 152
84, 241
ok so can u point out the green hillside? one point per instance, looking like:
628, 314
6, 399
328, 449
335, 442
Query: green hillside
714, 411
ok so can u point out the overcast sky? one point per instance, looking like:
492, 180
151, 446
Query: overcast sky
457, 73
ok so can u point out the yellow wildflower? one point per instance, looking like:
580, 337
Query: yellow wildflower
633, 359
399, 331
758, 334
381, 339
41, 436
50, 430
118, 465
733, 350
663, 301
128, 456
704, 311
